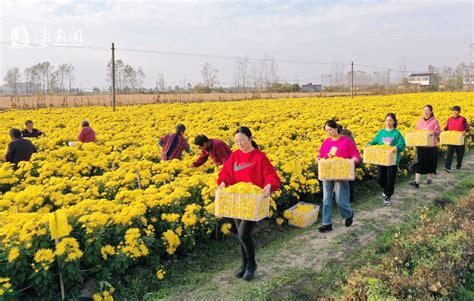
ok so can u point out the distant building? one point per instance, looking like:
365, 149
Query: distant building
468, 81
309, 88
421, 79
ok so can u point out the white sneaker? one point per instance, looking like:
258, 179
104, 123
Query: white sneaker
387, 201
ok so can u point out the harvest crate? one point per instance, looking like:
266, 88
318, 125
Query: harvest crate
251, 207
303, 214
336, 169
419, 138
452, 138
380, 155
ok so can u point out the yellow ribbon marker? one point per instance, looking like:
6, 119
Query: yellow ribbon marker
58, 225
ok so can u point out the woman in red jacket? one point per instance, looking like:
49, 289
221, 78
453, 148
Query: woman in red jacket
87, 134
455, 123
248, 164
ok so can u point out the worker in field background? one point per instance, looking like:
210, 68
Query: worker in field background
87, 134
426, 159
455, 123
174, 144
30, 131
19, 149
248, 164
217, 149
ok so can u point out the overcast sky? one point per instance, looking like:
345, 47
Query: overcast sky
375, 33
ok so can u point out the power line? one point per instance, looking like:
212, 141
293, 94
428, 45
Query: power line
188, 54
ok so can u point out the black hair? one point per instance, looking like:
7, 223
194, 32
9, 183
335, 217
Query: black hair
84, 123
15, 133
394, 117
246, 131
200, 140
28, 122
180, 128
431, 109
333, 124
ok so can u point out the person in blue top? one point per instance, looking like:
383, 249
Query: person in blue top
386, 175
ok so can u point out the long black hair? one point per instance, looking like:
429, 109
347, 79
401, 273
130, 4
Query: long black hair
431, 109
394, 117
333, 124
180, 128
246, 131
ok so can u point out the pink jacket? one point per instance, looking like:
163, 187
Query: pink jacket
346, 148
87, 134
431, 125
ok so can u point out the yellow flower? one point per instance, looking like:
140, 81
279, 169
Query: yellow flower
106, 251
279, 221
172, 241
225, 228
160, 274
69, 247
43, 259
170, 217
287, 214
134, 246
13, 254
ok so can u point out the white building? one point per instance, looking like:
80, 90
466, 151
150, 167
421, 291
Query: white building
421, 79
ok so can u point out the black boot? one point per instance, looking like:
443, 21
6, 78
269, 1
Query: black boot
240, 272
250, 271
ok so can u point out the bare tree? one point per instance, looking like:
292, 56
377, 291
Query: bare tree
44, 70
130, 77
209, 75
69, 72
160, 83
241, 73
140, 77
61, 74
12, 79
268, 72
119, 74
31, 78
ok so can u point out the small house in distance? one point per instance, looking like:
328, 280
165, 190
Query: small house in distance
421, 79
311, 88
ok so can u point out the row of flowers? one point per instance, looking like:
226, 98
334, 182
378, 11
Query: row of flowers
127, 208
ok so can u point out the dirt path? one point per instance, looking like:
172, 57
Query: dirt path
310, 250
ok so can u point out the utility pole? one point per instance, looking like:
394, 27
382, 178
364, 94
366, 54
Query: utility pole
113, 77
388, 81
352, 79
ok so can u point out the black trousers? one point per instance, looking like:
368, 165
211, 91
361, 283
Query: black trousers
244, 229
459, 149
386, 176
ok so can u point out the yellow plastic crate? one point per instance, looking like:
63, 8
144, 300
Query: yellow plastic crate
251, 207
380, 155
303, 215
452, 138
419, 138
336, 169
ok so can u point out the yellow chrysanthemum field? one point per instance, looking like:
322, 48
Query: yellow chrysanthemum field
127, 208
